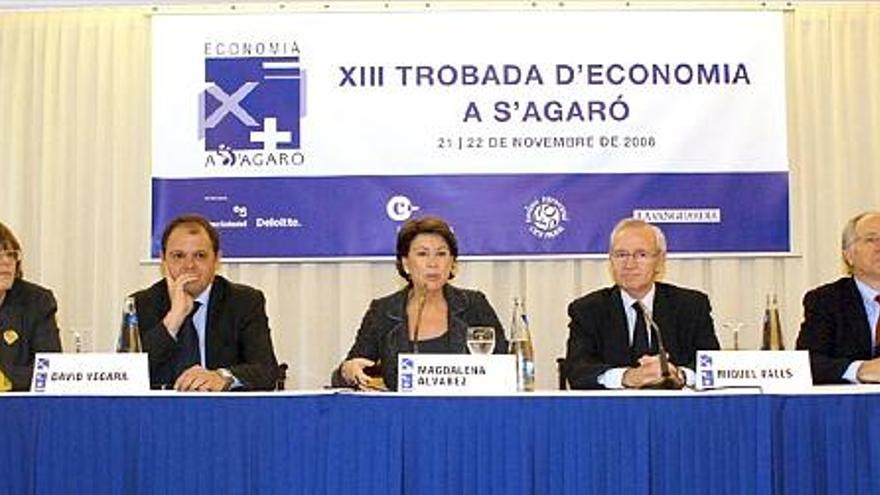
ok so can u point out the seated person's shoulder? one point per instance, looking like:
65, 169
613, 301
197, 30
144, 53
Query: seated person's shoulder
681, 293
472, 296
240, 290
389, 302
832, 289
597, 298
468, 300
158, 288
32, 293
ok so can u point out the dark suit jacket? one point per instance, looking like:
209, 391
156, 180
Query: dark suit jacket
236, 336
835, 329
27, 326
384, 331
598, 338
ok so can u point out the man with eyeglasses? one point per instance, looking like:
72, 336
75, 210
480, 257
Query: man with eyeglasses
841, 328
201, 331
27, 318
610, 344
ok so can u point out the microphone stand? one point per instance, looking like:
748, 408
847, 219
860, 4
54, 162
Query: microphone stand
376, 369
666, 380
423, 296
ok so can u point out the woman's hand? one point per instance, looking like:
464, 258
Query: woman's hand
353, 372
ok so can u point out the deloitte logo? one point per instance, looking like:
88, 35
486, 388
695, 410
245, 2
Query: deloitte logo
545, 217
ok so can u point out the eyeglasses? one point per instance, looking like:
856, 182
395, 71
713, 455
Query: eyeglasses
872, 239
13, 255
637, 256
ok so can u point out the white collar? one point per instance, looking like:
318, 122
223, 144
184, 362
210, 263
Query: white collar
205, 296
648, 300
868, 293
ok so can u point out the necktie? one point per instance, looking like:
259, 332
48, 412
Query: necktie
877, 331
187, 344
640, 334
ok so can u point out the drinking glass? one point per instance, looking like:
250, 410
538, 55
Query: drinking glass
733, 329
481, 340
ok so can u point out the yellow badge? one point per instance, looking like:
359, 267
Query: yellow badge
10, 336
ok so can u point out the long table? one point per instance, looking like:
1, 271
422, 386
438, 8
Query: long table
339, 443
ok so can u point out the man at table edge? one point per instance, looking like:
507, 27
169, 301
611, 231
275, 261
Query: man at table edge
840, 326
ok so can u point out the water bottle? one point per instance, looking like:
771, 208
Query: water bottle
129, 336
521, 347
772, 337
77, 342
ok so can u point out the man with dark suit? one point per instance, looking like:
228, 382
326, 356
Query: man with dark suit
202, 332
840, 327
609, 344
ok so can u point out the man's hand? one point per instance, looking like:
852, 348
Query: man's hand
181, 301
648, 373
869, 371
198, 379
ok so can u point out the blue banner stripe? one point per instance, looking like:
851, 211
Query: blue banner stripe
491, 214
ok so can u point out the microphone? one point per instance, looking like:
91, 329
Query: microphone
423, 296
666, 381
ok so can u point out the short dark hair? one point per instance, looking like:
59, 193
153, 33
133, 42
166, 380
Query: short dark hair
9, 241
193, 220
424, 225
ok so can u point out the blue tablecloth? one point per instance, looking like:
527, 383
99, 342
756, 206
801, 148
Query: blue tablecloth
385, 444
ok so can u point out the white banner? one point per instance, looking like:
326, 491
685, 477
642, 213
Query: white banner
371, 117
394, 93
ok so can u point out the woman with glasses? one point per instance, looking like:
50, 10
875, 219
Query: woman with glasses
27, 318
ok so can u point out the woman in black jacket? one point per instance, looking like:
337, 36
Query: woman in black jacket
428, 315
27, 318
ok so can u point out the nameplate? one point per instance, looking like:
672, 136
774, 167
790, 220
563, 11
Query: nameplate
456, 374
91, 373
772, 371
